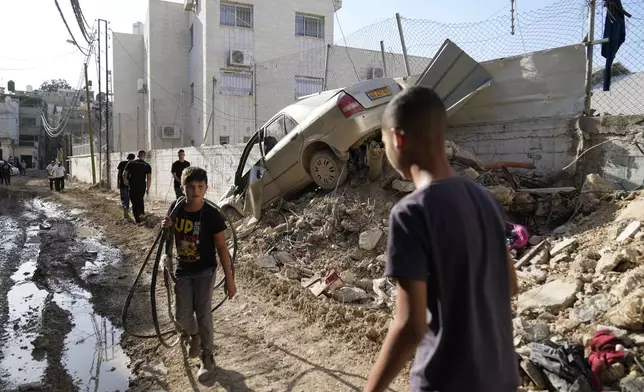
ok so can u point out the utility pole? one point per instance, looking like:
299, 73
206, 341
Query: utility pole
108, 148
89, 126
100, 101
212, 113
589, 56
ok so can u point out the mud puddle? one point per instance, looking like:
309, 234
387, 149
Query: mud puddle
71, 344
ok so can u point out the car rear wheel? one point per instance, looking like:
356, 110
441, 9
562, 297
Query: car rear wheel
327, 171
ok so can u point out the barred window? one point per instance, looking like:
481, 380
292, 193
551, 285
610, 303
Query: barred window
305, 85
236, 15
236, 83
309, 26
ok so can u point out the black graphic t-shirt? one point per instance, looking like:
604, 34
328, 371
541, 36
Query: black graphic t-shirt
177, 167
194, 234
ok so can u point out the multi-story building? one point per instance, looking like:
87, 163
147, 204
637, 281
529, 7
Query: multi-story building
185, 77
9, 120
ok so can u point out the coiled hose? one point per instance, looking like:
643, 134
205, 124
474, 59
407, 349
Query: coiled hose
163, 244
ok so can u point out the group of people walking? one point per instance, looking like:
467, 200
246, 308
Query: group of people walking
56, 173
135, 178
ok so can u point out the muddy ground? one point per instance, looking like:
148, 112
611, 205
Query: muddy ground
81, 258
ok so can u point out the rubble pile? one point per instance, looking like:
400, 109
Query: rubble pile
582, 270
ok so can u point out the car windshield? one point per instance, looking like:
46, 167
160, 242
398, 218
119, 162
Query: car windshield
253, 158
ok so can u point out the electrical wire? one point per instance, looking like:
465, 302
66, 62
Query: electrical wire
60, 12
344, 38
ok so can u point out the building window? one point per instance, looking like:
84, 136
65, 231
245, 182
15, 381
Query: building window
224, 140
236, 15
305, 85
246, 139
236, 83
27, 140
309, 26
28, 121
192, 94
192, 36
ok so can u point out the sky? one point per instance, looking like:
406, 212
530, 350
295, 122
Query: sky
33, 46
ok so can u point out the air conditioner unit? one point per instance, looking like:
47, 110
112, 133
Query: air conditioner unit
240, 58
170, 132
141, 86
189, 5
376, 73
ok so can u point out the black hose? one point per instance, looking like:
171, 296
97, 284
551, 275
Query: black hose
164, 241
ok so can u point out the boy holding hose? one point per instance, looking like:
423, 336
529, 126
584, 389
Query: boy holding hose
198, 232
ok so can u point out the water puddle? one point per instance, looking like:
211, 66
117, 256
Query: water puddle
93, 355
22, 364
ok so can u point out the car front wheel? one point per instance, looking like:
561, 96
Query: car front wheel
327, 170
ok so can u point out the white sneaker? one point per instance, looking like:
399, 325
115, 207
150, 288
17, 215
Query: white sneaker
207, 367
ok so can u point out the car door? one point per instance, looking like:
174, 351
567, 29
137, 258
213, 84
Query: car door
455, 76
282, 162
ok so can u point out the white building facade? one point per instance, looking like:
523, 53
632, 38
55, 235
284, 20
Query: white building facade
186, 76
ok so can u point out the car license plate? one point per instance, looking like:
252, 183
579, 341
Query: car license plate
379, 93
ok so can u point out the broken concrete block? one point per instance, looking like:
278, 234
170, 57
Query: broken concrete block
268, 262
369, 239
535, 239
592, 308
629, 231
595, 187
629, 312
348, 294
280, 228
349, 226
458, 154
560, 258
632, 384
540, 258
567, 245
403, 186
609, 261
536, 332
553, 296
471, 173
154, 369
629, 282
502, 194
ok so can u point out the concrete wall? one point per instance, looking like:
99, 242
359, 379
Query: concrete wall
128, 57
619, 155
220, 162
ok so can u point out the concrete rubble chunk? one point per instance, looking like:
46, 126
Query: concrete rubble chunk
629, 231
568, 244
629, 312
594, 189
268, 262
403, 186
155, 368
630, 281
458, 154
349, 226
609, 261
592, 308
552, 296
348, 294
632, 384
503, 194
32, 386
471, 173
540, 258
535, 239
284, 258
536, 331
369, 239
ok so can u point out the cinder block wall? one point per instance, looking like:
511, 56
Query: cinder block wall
219, 161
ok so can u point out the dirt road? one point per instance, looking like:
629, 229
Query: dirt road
263, 341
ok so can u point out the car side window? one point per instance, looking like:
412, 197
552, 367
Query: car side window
274, 132
290, 123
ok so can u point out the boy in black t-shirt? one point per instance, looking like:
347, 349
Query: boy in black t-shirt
198, 232
446, 249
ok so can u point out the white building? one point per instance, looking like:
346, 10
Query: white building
9, 125
190, 68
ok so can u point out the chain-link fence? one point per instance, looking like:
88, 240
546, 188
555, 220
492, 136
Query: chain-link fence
626, 78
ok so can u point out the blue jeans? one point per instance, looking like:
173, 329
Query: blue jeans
125, 198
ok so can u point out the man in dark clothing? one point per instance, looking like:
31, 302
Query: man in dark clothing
5, 173
446, 249
615, 31
177, 169
137, 176
125, 193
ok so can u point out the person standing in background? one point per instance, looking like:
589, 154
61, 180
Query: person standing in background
177, 168
51, 174
125, 195
23, 167
5, 173
137, 175
59, 173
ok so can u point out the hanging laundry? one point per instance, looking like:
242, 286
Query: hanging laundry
615, 31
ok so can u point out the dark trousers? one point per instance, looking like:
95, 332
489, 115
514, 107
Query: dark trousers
5, 179
59, 182
177, 191
136, 198
51, 183
125, 198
